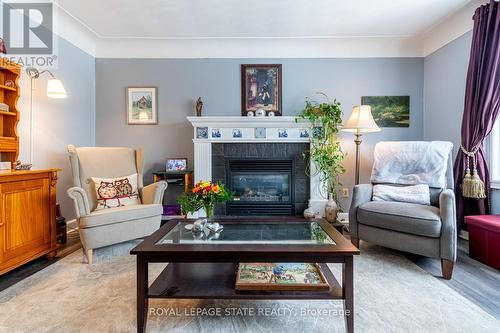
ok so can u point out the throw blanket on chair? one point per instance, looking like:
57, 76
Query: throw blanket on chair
411, 163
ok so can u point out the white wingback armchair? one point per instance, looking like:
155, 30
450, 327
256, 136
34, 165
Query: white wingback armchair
109, 226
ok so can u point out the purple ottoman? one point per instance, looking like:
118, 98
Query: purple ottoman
484, 239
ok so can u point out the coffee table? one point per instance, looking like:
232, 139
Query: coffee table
202, 268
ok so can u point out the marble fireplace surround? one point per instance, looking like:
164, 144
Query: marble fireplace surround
238, 129
290, 152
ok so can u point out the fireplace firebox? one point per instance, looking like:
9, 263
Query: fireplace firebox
260, 187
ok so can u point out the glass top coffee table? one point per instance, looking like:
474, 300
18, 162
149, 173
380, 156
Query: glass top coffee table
203, 265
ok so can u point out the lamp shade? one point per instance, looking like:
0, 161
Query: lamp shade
361, 120
55, 89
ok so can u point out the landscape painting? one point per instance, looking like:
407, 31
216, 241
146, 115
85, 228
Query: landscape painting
280, 276
389, 111
261, 88
141, 106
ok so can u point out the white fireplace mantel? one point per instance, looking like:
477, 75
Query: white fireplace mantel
208, 130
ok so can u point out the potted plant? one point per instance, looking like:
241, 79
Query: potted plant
326, 153
204, 195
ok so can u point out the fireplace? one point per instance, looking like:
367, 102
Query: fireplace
260, 187
265, 178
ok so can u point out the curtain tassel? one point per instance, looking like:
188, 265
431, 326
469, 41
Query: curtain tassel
472, 185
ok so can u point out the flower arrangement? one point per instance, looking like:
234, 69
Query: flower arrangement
204, 195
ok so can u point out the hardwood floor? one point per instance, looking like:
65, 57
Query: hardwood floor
475, 281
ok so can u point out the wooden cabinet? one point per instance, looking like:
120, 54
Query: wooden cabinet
27, 216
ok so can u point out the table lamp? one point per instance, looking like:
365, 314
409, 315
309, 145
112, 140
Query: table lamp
361, 121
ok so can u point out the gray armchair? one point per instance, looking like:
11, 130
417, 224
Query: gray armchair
109, 226
425, 230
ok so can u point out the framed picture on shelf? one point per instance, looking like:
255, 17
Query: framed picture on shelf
280, 276
176, 164
142, 106
261, 88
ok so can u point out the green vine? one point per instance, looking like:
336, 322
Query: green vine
325, 152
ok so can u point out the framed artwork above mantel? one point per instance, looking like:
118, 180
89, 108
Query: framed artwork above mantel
261, 88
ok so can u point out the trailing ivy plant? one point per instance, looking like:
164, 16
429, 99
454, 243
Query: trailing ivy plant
325, 152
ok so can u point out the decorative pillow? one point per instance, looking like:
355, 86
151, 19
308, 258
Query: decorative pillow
116, 192
418, 194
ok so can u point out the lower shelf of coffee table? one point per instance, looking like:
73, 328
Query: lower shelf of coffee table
216, 281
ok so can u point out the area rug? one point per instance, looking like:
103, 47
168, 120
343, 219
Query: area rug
391, 295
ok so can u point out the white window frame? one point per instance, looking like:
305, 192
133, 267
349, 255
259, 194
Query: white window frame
495, 155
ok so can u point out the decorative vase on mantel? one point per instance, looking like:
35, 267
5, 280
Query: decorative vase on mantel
331, 209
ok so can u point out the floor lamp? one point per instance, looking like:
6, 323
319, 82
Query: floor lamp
361, 121
55, 89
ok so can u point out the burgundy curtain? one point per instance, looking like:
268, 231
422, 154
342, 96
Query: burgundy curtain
482, 105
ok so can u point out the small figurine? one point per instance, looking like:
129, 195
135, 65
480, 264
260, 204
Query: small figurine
9, 83
20, 166
3, 49
199, 107
260, 113
199, 225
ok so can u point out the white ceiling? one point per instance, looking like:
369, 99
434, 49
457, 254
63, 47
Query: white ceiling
259, 18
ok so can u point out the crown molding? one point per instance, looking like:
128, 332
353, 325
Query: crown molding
306, 47
74, 31
80, 35
452, 27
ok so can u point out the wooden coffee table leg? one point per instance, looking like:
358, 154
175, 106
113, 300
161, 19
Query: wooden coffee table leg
142, 289
348, 292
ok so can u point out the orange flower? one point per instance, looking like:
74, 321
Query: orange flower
196, 189
215, 188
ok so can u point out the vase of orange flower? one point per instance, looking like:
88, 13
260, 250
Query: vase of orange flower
204, 195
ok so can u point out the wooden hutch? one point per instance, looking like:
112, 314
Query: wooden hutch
28, 197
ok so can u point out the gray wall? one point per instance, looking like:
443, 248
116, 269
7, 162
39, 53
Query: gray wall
58, 122
217, 81
445, 73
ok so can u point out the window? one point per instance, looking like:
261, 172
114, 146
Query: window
495, 155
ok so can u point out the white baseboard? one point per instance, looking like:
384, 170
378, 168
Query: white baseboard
463, 234
71, 225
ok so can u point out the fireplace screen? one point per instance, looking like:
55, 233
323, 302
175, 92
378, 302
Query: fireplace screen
260, 187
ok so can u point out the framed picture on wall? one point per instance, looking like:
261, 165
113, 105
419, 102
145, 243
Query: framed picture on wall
389, 111
261, 88
142, 106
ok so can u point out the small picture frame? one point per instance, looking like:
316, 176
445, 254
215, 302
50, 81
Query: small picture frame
176, 164
142, 106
